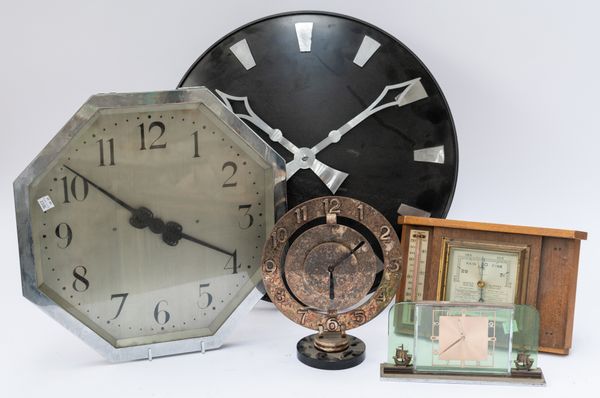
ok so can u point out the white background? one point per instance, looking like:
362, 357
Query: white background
521, 78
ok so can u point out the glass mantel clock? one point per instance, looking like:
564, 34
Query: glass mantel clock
463, 342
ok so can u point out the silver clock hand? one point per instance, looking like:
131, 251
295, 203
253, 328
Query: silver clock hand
413, 92
274, 134
303, 157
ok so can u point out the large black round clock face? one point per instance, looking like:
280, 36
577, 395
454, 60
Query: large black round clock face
352, 110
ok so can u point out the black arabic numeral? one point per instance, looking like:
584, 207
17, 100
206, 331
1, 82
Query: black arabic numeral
209, 297
247, 216
227, 182
196, 149
123, 297
154, 145
64, 232
80, 284
111, 151
165, 314
79, 195
232, 260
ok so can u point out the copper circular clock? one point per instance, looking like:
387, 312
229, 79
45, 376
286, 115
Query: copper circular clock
351, 109
318, 265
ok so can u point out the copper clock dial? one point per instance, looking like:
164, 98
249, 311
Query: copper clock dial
323, 280
333, 247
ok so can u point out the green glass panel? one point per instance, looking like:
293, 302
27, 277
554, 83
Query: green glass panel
526, 333
401, 330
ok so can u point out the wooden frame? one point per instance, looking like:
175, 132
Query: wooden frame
548, 267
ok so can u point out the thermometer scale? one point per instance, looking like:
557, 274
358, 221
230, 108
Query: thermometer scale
415, 270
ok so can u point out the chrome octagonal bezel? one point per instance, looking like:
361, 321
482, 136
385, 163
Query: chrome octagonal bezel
195, 95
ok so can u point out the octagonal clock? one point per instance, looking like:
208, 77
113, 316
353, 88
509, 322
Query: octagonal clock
141, 223
351, 109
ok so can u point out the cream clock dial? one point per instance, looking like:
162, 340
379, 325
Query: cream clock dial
147, 225
476, 275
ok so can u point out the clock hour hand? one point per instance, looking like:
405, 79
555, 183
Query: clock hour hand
142, 217
331, 285
413, 91
303, 157
274, 134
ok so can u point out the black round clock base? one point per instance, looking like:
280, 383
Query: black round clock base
309, 355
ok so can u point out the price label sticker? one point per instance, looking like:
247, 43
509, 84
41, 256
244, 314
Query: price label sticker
45, 203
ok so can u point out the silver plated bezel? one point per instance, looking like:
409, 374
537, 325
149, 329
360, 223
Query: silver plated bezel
199, 95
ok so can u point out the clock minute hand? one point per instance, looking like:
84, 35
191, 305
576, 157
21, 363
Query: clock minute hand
331, 268
102, 190
413, 91
142, 217
461, 338
303, 157
346, 256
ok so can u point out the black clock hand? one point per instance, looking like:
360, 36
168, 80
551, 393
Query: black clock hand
142, 217
331, 285
102, 190
303, 157
461, 338
344, 258
331, 268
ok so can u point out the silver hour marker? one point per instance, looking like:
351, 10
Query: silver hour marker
304, 34
434, 154
242, 52
366, 50
406, 210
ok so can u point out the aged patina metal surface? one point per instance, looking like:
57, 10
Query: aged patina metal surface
329, 247
326, 254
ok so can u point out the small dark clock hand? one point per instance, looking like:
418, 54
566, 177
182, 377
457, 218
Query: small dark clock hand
331, 268
142, 217
331, 285
461, 338
345, 257
460, 328
303, 157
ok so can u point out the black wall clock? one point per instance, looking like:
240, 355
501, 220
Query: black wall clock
351, 109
